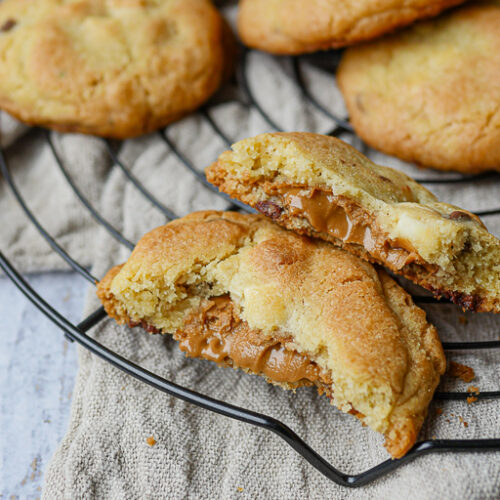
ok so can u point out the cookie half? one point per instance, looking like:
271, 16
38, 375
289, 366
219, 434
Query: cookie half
430, 94
243, 292
320, 186
300, 26
115, 68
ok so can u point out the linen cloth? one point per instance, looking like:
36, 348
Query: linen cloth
105, 453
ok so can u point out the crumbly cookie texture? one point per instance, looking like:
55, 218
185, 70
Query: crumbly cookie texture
299, 26
430, 94
115, 68
320, 186
351, 320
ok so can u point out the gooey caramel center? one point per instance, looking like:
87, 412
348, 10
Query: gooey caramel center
341, 218
214, 331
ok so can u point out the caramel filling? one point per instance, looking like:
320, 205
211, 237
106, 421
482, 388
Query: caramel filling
214, 331
347, 221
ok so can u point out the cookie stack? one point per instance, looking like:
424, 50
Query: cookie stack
304, 305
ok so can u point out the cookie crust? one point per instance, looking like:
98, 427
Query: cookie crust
298, 26
352, 320
114, 68
430, 94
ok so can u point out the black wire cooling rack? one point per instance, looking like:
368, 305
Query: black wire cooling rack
79, 332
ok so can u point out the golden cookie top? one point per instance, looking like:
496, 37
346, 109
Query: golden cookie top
116, 68
298, 26
430, 94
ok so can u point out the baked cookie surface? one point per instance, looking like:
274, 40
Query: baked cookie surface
431, 93
299, 26
241, 291
116, 68
323, 187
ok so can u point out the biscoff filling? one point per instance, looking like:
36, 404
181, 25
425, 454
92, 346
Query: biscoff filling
214, 331
342, 219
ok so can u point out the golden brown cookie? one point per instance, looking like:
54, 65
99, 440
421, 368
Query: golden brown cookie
241, 291
320, 186
430, 94
299, 26
115, 68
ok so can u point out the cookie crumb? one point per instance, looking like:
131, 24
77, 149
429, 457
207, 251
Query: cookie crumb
462, 421
471, 399
464, 372
463, 320
151, 441
240, 489
439, 411
34, 468
473, 389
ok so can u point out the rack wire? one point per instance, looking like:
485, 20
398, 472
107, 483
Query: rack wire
79, 332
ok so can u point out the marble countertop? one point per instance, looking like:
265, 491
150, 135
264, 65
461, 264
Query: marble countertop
37, 373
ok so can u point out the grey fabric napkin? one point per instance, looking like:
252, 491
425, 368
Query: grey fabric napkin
197, 454
43, 188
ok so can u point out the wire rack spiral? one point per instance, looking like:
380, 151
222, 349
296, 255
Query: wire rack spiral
79, 332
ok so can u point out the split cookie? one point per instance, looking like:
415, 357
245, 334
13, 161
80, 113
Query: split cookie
321, 186
243, 292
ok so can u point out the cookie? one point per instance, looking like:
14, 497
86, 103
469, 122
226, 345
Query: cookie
300, 26
320, 186
241, 291
430, 94
114, 68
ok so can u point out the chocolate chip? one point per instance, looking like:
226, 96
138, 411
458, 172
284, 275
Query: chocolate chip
467, 302
8, 25
269, 208
457, 215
